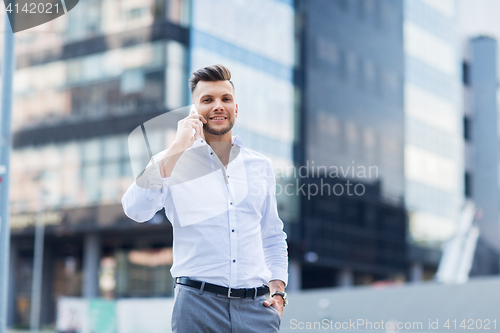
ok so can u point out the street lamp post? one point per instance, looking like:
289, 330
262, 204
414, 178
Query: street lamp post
36, 284
5, 148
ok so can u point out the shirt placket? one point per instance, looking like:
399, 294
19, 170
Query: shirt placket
233, 239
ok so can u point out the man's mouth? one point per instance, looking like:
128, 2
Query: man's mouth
218, 118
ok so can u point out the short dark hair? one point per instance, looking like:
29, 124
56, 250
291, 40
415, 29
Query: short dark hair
210, 73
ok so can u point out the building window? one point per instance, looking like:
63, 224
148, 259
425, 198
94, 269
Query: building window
465, 73
467, 129
468, 185
366, 9
361, 9
352, 65
137, 273
378, 14
361, 73
344, 5
343, 64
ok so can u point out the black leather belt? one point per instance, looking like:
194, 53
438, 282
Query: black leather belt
220, 290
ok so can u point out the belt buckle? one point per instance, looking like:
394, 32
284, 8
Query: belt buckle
229, 293
266, 286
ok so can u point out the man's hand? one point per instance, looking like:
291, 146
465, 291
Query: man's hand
184, 139
276, 301
184, 136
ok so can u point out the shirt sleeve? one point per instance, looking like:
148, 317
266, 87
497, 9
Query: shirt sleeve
273, 236
146, 195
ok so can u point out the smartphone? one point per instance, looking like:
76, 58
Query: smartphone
193, 108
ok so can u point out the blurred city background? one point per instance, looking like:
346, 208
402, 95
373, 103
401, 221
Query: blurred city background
404, 88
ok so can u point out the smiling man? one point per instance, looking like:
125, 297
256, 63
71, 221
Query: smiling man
230, 254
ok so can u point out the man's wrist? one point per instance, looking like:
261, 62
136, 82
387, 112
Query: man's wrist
277, 291
178, 147
276, 285
282, 295
168, 162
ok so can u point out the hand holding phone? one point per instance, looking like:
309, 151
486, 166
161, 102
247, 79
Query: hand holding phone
185, 122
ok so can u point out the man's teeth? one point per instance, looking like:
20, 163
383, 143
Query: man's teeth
217, 118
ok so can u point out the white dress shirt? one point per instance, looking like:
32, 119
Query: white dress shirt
225, 221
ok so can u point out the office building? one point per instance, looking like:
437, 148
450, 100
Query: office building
83, 82
350, 79
434, 148
481, 149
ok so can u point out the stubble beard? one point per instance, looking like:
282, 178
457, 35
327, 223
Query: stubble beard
221, 131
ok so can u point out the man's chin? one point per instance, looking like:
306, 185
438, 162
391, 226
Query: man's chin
220, 131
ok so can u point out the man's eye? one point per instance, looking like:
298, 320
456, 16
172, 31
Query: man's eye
227, 99
206, 100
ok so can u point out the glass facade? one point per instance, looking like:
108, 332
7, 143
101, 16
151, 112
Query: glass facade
76, 173
433, 120
353, 95
129, 78
97, 18
111, 83
137, 273
255, 40
351, 75
83, 81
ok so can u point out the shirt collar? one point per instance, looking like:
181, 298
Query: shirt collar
234, 140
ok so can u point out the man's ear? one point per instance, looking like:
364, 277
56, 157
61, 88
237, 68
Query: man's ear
236, 111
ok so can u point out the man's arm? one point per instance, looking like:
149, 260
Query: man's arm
274, 243
273, 236
147, 194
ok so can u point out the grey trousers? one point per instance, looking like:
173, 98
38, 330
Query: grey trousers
205, 312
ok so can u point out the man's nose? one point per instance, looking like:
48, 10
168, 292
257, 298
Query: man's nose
218, 105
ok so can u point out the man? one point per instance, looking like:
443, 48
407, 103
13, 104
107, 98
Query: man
229, 247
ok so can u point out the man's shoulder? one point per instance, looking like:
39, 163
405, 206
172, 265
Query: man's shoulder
258, 156
250, 152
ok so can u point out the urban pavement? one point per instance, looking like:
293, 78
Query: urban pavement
28, 331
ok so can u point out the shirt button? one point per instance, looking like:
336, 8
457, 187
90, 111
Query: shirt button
227, 176
201, 140
211, 153
232, 230
234, 260
230, 203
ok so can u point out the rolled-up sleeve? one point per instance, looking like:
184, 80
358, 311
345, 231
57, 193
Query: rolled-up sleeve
273, 236
147, 195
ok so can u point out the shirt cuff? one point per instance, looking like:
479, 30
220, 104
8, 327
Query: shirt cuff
280, 274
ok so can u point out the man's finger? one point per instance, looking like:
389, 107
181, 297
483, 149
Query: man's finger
269, 301
200, 126
198, 129
194, 122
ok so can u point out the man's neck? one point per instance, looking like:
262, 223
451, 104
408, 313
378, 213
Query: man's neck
221, 145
